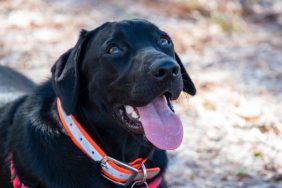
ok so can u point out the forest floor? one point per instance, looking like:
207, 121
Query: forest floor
233, 52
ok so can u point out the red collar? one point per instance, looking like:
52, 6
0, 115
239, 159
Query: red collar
116, 171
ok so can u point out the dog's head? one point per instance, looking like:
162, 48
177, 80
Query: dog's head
128, 69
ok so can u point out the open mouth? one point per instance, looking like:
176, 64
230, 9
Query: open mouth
156, 120
131, 117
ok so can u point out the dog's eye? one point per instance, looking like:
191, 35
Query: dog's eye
164, 41
114, 50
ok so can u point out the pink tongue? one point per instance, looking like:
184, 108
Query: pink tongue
162, 127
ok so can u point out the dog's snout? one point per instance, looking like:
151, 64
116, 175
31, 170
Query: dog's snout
162, 70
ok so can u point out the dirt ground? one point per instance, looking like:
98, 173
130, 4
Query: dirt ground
232, 50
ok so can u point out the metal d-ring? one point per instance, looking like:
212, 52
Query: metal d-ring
143, 181
140, 183
145, 174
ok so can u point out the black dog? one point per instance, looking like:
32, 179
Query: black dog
117, 82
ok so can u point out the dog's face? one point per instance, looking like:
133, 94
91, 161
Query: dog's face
130, 70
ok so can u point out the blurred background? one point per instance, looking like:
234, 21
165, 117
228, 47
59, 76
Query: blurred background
232, 50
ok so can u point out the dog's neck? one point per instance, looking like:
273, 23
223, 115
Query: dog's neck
111, 137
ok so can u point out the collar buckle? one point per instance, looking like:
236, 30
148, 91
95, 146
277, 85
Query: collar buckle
122, 164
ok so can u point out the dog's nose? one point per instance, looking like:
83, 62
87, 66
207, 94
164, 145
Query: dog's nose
164, 69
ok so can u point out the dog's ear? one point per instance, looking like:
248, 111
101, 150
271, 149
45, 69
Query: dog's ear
65, 74
188, 85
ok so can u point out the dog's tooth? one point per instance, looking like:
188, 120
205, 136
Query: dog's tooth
164, 97
129, 109
170, 105
134, 115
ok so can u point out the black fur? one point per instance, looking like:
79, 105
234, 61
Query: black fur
91, 84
